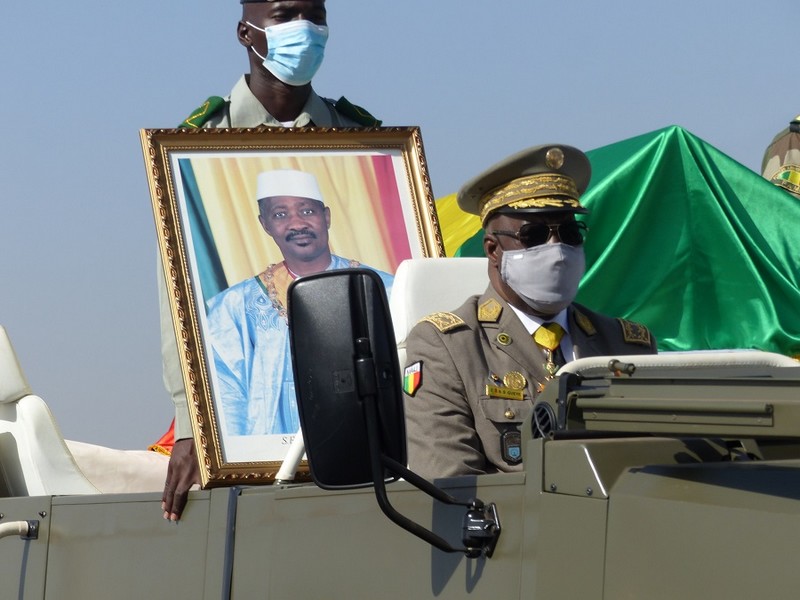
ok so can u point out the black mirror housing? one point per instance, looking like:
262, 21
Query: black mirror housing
343, 353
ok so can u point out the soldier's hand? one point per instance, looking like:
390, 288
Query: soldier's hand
182, 473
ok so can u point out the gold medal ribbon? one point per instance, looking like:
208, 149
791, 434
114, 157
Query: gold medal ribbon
548, 336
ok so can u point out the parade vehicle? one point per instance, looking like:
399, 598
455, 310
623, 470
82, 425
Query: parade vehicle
668, 476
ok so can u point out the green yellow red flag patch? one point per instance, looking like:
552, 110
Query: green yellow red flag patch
412, 378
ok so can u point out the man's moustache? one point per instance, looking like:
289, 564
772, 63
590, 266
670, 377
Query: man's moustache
303, 232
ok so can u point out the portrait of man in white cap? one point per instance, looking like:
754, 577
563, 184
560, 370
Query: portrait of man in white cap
247, 322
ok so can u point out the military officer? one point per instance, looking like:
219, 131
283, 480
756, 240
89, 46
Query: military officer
472, 375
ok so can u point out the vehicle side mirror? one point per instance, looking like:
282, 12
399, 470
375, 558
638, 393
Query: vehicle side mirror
343, 348
349, 397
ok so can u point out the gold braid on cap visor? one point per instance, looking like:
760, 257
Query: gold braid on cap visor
534, 191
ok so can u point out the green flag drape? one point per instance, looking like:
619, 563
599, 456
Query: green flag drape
683, 238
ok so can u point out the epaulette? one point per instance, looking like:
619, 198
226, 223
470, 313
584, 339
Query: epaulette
584, 323
444, 321
635, 333
201, 115
356, 113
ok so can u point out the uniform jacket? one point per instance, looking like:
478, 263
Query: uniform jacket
454, 426
242, 109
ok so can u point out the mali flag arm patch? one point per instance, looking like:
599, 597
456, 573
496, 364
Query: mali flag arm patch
412, 378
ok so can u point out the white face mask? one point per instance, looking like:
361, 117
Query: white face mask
546, 276
294, 50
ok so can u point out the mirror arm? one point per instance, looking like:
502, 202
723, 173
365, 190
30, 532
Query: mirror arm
480, 533
426, 486
481, 528
380, 485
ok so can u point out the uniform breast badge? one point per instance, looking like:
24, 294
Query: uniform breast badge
499, 389
496, 391
515, 380
503, 339
511, 446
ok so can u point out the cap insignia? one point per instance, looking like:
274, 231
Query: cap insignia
554, 158
490, 311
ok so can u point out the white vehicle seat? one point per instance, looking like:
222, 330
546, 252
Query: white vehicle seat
34, 459
426, 285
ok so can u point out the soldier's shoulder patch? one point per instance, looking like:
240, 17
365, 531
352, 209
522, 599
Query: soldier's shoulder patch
444, 321
585, 323
412, 378
203, 113
635, 333
490, 311
355, 113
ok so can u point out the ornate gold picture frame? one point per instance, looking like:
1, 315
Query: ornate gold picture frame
226, 274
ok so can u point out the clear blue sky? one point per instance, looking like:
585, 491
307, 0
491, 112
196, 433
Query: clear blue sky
481, 79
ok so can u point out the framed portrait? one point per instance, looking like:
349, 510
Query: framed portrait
241, 213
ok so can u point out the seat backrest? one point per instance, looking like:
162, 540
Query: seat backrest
34, 459
426, 285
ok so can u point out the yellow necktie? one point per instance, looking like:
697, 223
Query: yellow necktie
548, 336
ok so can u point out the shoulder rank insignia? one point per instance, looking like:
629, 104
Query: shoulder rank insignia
356, 113
201, 115
444, 321
635, 333
490, 311
584, 323
412, 378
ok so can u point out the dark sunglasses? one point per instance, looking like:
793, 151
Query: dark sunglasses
535, 234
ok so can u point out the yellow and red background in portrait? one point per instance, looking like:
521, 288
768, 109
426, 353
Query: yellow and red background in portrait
367, 222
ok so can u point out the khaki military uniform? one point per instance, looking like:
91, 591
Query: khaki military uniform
242, 109
455, 425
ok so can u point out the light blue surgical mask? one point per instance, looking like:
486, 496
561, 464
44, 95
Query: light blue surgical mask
294, 50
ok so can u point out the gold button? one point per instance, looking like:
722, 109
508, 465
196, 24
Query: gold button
509, 414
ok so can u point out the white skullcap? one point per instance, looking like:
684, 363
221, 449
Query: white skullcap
287, 182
